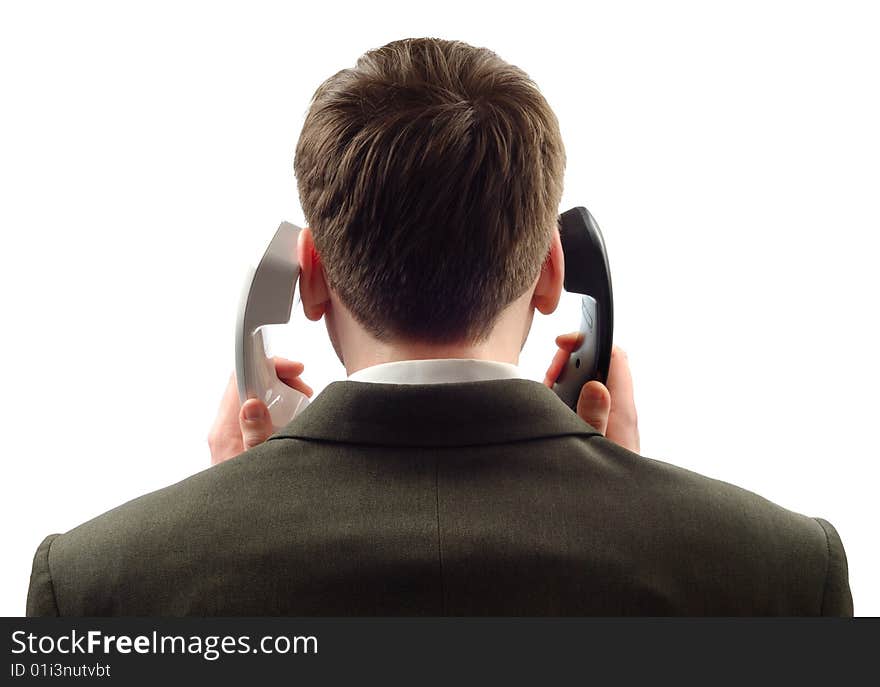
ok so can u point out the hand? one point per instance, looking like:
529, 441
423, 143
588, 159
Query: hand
238, 428
611, 409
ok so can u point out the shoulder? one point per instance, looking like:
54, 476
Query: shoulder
106, 564
736, 537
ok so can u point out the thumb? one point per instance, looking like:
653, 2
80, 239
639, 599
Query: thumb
594, 405
255, 423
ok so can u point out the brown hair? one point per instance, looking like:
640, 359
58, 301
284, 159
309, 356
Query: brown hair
430, 175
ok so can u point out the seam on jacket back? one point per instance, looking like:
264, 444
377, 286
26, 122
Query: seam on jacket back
439, 544
827, 566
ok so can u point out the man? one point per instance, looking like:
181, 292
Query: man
435, 480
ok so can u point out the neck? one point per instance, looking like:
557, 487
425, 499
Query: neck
392, 352
358, 349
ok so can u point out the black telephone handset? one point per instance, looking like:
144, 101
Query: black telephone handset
270, 290
586, 273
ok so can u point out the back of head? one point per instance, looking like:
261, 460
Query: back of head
430, 174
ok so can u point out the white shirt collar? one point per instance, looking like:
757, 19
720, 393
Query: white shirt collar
436, 371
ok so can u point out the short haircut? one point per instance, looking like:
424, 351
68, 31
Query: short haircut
430, 174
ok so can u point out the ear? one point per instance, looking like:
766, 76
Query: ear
549, 286
313, 289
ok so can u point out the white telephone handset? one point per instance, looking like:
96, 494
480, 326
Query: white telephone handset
268, 298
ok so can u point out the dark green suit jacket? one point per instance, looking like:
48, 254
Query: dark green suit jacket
469, 498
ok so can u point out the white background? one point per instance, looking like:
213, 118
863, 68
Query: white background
729, 152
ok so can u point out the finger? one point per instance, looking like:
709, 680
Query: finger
620, 384
566, 343
556, 367
299, 385
594, 405
224, 437
287, 368
570, 341
230, 398
255, 423
289, 372
623, 421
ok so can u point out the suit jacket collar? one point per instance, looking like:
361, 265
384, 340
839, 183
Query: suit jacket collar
455, 414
